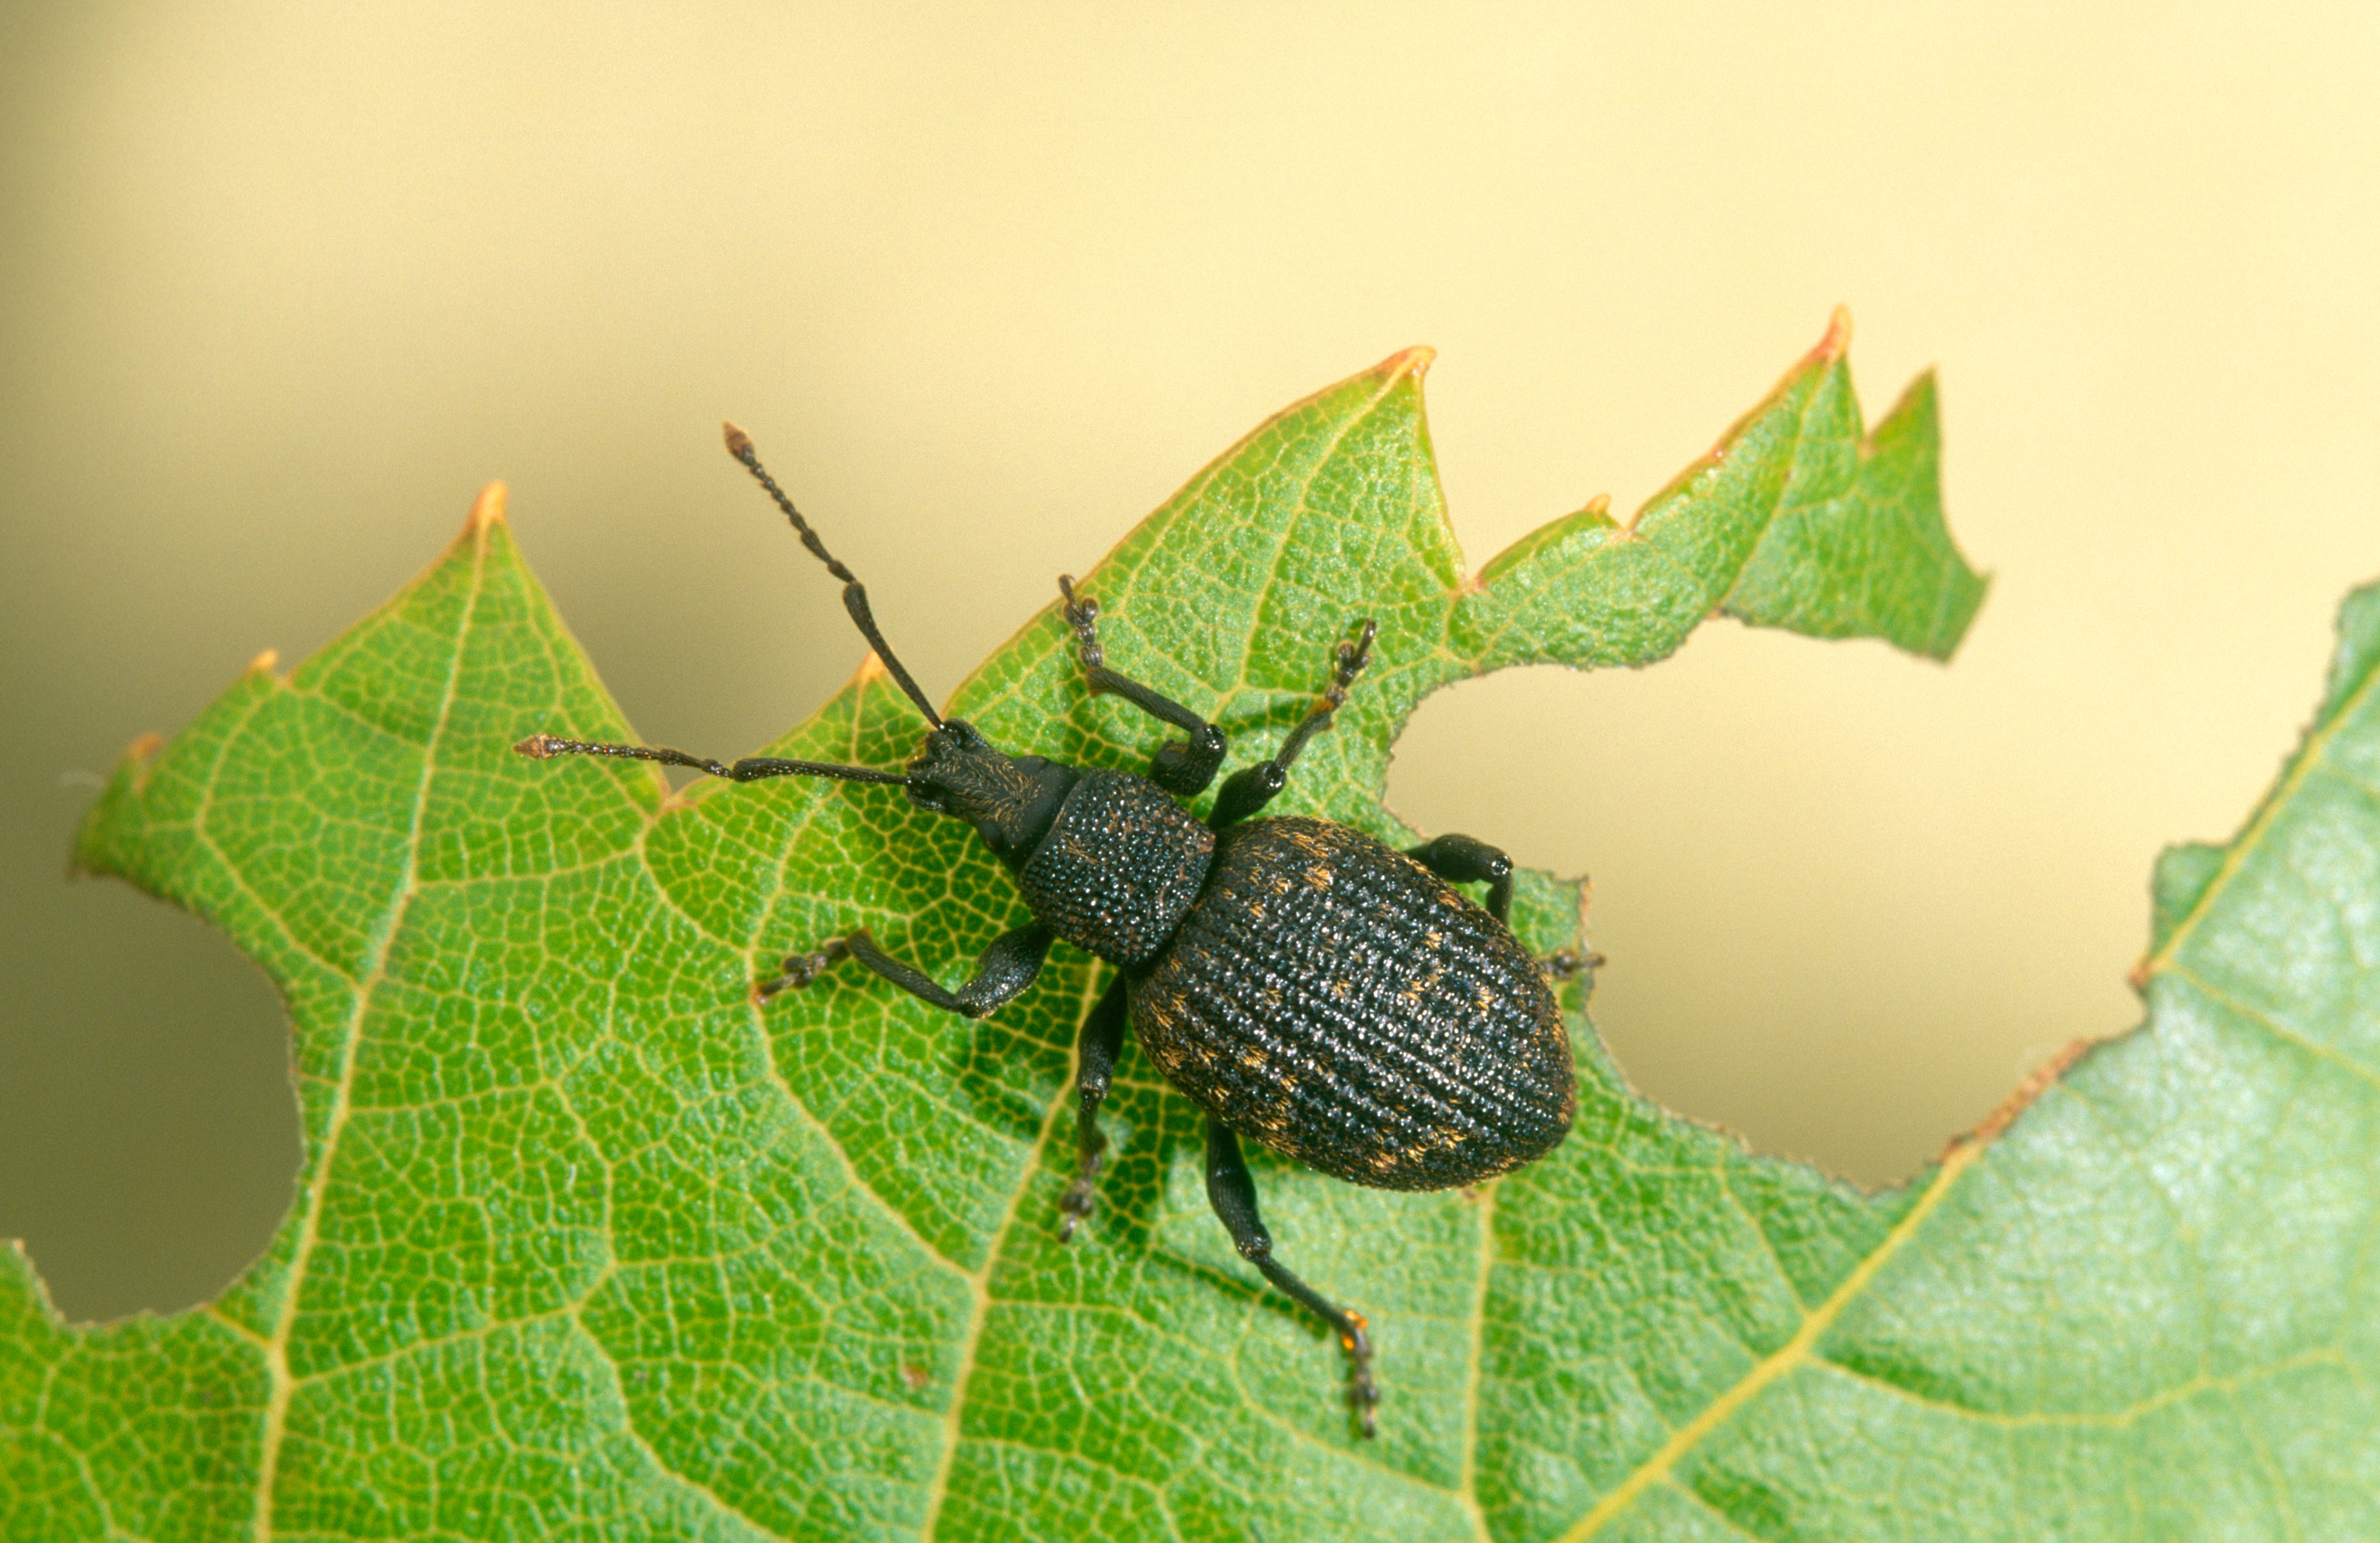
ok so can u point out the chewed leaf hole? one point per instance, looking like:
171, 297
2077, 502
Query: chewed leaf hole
1799, 879
148, 1128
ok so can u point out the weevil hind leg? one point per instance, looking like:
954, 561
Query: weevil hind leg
1232, 1190
1100, 1042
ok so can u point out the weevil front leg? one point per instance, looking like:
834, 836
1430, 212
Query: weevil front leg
1005, 969
1181, 768
1094, 1057
1232, 1190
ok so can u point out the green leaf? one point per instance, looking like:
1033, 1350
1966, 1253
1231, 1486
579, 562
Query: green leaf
589, 1243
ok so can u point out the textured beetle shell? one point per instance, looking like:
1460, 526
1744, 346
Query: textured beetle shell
1341, 1004
1121, 864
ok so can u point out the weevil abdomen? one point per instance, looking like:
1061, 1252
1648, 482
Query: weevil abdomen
1336, 1002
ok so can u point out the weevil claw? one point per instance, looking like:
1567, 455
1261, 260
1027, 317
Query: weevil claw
797, 970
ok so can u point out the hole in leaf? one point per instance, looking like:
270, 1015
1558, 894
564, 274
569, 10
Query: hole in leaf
147, 1132
1840, 919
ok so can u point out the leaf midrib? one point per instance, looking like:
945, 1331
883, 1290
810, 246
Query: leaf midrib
276, 1343
979, 1284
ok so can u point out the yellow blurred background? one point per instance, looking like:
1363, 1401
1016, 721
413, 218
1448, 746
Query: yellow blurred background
282, 284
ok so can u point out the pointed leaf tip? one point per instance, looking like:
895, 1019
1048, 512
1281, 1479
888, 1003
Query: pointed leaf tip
1837, 341
264, 664
132, 771
486, 510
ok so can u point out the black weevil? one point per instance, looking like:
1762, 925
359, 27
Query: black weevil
1308, 987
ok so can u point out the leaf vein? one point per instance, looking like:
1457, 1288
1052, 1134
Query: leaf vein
2283, 797
1796, 1351
1474, 1357
382, 938
2273, 1025
980, 1293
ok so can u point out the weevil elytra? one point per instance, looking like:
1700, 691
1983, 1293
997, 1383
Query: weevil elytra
1308, 988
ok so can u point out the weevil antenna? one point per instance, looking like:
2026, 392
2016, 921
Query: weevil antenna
751, 769
854, 593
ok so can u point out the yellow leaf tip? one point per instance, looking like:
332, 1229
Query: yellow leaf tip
1414, 361
486, 510
1599, 504
133, 767
264, 664
1838, 340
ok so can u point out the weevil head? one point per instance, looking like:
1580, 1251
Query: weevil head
1010, 800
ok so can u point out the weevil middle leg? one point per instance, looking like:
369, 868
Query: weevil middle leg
1251, 788
1095, 1057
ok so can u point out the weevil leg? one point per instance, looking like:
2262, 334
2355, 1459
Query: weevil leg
1005, 969
1182, 769
1232, 1190
1461, 860
1568, 964
1251, 788
1094, 1059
